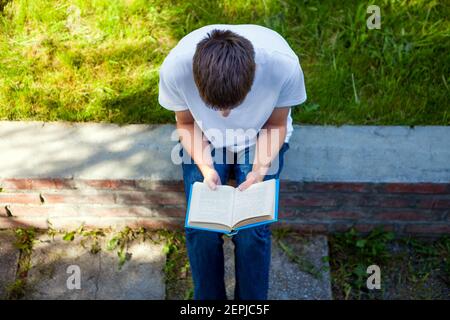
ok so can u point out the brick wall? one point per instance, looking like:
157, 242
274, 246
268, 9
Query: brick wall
406, 208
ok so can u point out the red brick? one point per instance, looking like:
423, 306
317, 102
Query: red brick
416, 188
360, 227
394, 202
383, 201
161, 204
24, 198
9, 223
79, 197
300, 227
414, 215
109, 184
160, 198
14, 184
290, 213
337, 186
112, 197
373, 200
133, 211
428, 229
291, 186
434, 203
287, 212
307, 201
341, 214
40, 211
339, 227
36, 184
175, 186
350, 200
43, 184
366, 227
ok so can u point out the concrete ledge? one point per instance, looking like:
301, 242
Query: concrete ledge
86, 151
370, 154
318, 153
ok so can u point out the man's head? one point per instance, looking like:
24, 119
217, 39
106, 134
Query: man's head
224, 69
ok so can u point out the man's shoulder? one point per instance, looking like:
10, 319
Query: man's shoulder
176, 67
279, 64
176, 59
283, 57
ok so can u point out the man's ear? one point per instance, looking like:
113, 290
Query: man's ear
184, 117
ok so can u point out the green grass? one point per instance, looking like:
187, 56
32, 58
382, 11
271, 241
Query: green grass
411, 268
98, 60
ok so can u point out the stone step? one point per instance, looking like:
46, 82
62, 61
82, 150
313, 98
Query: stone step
9, 258
101, 276
142, 277
306, 279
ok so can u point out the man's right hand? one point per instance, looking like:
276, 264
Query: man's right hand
211, 177
197, 147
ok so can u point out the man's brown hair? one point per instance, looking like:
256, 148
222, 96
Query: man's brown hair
224, 69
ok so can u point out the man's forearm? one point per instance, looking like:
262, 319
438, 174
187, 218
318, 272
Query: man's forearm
269, 143
191, 139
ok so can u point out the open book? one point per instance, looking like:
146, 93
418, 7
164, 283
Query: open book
227, 209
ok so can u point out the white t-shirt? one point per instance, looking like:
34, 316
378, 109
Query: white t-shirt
278, 82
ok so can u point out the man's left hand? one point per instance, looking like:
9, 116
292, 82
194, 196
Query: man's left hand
252, 177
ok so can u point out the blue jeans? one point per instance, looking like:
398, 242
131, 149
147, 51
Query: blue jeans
252, 245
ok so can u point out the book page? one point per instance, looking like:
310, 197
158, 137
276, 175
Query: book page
211, 206
257, 200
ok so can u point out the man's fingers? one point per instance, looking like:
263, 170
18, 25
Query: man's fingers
212, 185
214, 182
244, 185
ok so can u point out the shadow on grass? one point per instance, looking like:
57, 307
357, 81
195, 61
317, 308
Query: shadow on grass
135, 107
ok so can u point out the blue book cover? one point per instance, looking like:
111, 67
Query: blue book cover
235, 230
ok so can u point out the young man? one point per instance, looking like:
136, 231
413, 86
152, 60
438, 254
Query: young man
235, 85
